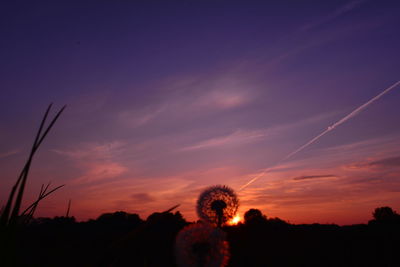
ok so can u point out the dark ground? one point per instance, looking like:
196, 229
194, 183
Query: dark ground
122, 239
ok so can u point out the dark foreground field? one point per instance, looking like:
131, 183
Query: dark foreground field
122, 239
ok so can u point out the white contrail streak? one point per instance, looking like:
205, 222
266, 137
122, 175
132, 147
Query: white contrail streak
344, 119
255, 178
330, 128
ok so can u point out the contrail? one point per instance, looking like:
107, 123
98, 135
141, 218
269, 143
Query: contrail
344, 119
330, 128
255, 178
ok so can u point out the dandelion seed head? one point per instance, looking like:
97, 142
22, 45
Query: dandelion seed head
200, 244
217, 204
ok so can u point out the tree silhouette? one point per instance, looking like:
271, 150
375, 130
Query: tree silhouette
119, 219
385, 215
254, 216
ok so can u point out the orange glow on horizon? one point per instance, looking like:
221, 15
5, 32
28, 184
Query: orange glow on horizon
235, 220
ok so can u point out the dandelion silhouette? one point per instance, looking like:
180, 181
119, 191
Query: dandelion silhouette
201, 245
217, 204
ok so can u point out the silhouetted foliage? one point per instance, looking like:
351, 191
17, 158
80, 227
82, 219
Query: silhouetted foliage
123, 239
277, 222
385, 215
139, 246
119, 219
254, 216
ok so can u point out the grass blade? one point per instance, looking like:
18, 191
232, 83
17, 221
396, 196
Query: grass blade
6, 212
40, 198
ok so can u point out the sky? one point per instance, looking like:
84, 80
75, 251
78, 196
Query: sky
166, 98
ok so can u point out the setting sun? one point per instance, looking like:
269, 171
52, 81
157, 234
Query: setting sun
235, 220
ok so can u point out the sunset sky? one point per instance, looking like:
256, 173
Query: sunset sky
165, 98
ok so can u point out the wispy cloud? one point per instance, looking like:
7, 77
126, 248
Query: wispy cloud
313, 198
137, 118
128, 194
93, 151
99, 171
142, 197
307, 177
9, 153
340, 11
246, 136
184, 97
372, 180
305, 39
150, 194
98, 161
386, 162
237, 137
224, 98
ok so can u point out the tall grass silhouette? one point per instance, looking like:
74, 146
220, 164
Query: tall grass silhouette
11, 210
11, 216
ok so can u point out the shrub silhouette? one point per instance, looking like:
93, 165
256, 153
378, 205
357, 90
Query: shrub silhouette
254, 216
150, 244
385, 215
119, 219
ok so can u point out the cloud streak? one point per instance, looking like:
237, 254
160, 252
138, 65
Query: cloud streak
198, 97
90, 151
238, 137
335, 14
9, 153
247, 136
98, 161
387, 162
100, 171
308, 177
326, 197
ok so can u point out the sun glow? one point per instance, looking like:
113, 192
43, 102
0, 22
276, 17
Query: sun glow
235, 220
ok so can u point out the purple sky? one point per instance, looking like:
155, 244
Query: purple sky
166, 98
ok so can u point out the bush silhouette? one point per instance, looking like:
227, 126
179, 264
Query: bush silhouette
119, 219
385, 215
254, 216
